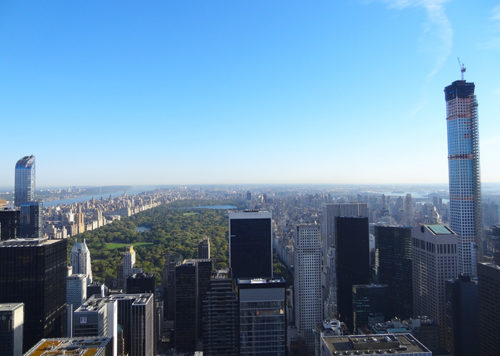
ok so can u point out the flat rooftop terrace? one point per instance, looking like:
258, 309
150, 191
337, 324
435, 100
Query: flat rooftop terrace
375, 344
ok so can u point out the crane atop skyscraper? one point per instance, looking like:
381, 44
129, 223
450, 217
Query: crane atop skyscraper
462, 68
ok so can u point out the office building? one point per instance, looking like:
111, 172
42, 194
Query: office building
33, 271
30, 223
80, 260
204, 249
489, 308
128, 266
141, 283
9, 224
370, 304
96, 288
262, 316
25, 180
95, 346
462, 316
330, 212
192, 279
220, 308
76, 290
11, 329
434, 255
307, 281
136, 319
250, 244
352, 262
379, 344
168, 284
464, 173
97, 317
393, 266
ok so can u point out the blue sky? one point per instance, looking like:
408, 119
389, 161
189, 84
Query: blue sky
160, 92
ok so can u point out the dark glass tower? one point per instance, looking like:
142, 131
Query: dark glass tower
168, 284
393, 251
141, 283
33, 271
464, 173
9, 224
370, 304
30, 225
250, 244
25, 180
489, 308
352, 261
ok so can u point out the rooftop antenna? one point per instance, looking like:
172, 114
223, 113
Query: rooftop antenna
462, 68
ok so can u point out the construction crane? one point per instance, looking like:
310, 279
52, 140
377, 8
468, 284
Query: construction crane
462, 68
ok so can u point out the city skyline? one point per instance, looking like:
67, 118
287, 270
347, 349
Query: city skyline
167, 93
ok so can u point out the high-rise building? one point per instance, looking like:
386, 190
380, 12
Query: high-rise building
489, 308
307, 281
25, 180
220, 326
96, 288
192, 279
30, 223
76, 290
204, 249
80, 260
434, 255
352, 261
11, 329
250, 244
128, 265
33, 271
168, 284
9, 224
330, 212
97, 317
141, 283
462, 316
262, 316
370, 304
96, 346
464, 172
136, 319
393, 265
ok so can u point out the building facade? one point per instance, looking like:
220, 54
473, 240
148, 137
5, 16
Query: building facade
24, 180
204, 249
435, 260
464, 172
30, 223
80, 260
307, 281
33, 271
489, 308
394, 267
9, 224
330, 212
76, 290
250, 244
11, 329
352, 262
262, 317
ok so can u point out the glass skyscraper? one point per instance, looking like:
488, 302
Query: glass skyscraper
464, 174
25, 180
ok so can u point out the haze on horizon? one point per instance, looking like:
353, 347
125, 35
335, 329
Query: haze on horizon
128, 93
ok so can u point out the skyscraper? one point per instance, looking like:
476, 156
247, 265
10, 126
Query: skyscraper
489, 308
9, 224
262, 316
25, 180
76, 290
80, 260
33, 271
168, 284
307, 281
352, 261
330, 212
464, 173
30, 224
393, 264
204, 249
434, 255
250, 244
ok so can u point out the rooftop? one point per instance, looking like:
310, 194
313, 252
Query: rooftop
440, 230
398, 344
10, 306
28, 242
80, 346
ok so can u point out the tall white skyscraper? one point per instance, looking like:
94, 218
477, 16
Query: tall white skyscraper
330, 212
464, 172
80, 260
307, 281
434, 259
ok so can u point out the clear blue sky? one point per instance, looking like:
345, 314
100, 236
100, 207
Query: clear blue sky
159, 92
